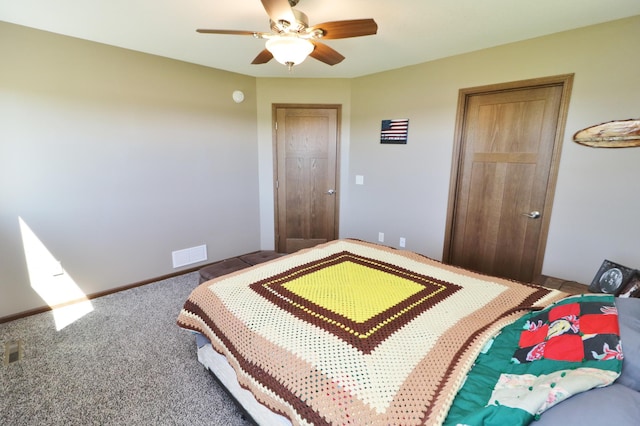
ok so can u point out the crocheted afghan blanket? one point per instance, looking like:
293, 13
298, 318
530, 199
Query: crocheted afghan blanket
355, 333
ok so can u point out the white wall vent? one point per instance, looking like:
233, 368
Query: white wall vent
189, 255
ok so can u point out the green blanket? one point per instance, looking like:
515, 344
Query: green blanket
540, 360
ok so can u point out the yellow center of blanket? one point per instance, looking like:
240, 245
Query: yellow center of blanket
358, 299
353, 291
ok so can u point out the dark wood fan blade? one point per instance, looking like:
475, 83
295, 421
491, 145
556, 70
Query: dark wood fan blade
325, 54
230, 32
279, 10
346, 29
263, 57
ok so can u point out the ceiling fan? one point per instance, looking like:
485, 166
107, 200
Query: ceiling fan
291, 38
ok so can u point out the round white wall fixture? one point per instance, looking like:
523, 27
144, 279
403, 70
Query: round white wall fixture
238, 96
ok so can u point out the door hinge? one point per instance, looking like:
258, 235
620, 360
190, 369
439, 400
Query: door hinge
276, 123
277, 184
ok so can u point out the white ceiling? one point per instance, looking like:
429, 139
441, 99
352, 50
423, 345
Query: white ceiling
409, 32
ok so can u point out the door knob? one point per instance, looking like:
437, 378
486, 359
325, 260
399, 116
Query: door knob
331, 191
532, 215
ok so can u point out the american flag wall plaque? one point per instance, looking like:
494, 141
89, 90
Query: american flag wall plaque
394, 131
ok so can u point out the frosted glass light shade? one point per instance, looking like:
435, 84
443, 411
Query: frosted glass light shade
289, 50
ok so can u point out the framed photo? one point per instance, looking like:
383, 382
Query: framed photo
611, 278
394, 131
632, 289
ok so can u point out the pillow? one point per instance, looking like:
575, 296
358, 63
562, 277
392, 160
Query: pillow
611, 405
629, 320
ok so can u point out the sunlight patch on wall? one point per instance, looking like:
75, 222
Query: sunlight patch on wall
52, 283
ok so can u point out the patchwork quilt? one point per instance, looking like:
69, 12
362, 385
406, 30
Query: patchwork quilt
540, 360
355, 333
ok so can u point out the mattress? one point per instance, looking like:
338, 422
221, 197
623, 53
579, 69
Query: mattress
218, 365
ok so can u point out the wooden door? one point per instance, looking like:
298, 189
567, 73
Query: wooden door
506, 161
306, 176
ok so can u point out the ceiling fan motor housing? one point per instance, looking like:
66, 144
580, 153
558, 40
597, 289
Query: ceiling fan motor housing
301, 24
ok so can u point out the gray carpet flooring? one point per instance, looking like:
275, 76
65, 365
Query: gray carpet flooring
127, 362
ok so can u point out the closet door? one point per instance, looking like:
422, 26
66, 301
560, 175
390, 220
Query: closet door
507, 153
306, 183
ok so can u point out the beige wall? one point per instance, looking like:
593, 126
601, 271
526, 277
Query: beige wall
406, 187
115, 159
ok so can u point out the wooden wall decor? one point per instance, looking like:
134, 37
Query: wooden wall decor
613, 134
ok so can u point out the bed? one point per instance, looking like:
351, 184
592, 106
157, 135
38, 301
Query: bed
351, 332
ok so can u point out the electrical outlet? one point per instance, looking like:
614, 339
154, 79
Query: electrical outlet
381, 237
403, 241
57, 269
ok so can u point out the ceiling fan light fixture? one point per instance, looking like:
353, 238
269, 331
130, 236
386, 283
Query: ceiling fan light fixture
289, 50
